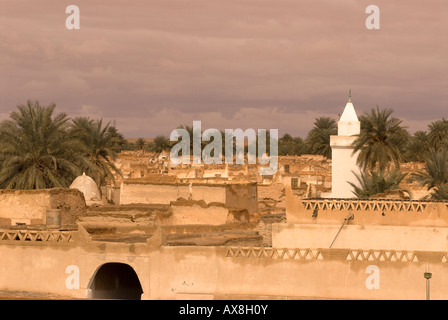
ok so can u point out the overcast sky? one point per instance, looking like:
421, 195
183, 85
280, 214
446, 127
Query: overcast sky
274, 64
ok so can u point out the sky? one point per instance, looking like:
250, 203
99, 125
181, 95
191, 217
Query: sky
150, 66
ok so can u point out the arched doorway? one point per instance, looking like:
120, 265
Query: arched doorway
115, 281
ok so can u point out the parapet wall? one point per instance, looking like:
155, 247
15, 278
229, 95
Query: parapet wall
29, 206
364, 224
366, 212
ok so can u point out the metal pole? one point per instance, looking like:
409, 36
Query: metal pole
345, 220
348, 218
427, 276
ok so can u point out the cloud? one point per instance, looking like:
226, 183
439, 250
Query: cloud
90, 111
151, 65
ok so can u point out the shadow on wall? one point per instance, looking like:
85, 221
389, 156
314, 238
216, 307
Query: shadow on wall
115, 281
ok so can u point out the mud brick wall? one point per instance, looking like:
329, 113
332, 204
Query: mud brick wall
29, 206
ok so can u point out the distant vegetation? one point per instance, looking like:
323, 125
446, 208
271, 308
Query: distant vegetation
42, 149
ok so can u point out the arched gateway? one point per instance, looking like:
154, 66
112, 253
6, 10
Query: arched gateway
115, 281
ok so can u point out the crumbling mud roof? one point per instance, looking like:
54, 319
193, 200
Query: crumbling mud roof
173, 180
153, 179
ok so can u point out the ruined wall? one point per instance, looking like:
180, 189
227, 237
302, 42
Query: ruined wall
272, 191
236, 195
210, 193
131, 193
29, 206
265, 226
23, 207
242, 195
193, 212
152, 193
71, 202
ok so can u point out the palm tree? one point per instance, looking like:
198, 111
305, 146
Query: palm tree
417, 148
140, 144
100, 147
435, 175
159, 144
376, 182
287, 145
120, 143
37, 150
440, 193
318, 138
438, 133
380, 140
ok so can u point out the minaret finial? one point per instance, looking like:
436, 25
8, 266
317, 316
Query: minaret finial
350, 95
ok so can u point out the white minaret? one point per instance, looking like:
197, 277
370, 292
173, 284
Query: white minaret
343, 159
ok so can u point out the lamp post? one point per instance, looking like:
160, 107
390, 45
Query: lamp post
427, 276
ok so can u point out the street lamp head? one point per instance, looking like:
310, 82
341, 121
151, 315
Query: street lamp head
427, 275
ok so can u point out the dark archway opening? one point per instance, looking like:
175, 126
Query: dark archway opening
116, 281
